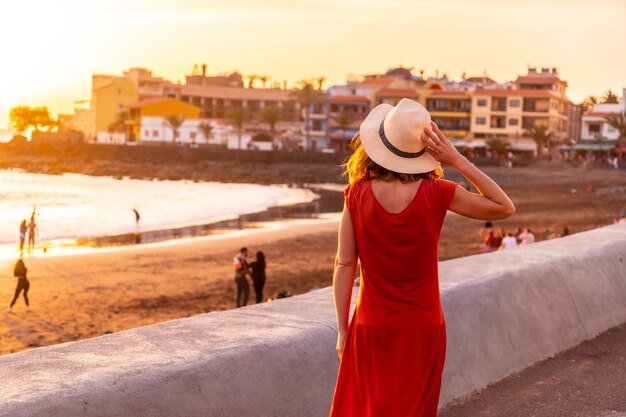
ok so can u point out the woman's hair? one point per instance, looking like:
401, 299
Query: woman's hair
360, 166
260, 257
20, 267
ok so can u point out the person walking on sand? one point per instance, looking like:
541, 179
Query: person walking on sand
392, 352
32, 230
242, 270
22, 284
23, 230
137, 217
258, 275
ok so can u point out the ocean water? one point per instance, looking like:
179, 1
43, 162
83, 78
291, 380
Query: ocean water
74, 205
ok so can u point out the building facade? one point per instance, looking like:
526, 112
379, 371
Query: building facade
539, 99
596, 134
111, 95
451, 111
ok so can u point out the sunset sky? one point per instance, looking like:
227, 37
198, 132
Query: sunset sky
49, 49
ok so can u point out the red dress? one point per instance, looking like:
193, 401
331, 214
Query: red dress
395, 346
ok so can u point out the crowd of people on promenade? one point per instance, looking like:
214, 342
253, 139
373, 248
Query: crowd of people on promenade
501, 239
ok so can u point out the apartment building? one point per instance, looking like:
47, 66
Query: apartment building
539, 99
216, 101
354, 108
149, 120
111, 94
451, 110
596, 134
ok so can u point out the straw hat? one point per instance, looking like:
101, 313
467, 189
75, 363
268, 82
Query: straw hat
392, 137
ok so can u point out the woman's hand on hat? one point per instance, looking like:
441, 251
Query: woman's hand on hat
440, 147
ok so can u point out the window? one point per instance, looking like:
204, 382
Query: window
192, 135
514, 103
317, 125
146, 133
155, 133
481, 102
594, 128
481, 120
513, 122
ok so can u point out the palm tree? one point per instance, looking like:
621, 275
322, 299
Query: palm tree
610, 97
320, 82
541, 136
306, 94
205, 128
119, 125
237, 116
175, 122
587, 104
263, 79
251, 79
499, 147
271, 115
618, 122
344, 121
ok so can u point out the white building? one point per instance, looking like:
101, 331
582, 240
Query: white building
596, 134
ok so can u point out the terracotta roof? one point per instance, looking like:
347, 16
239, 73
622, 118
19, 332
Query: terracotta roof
599, 114
538, 79
236, 93
405, 92
377, 81
350, 98
511, 92
142, 103
486, 80
449, 93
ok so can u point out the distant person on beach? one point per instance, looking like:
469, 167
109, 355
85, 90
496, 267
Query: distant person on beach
137, 217
508, 242
258, 275
392, 351
242, 270
22, 284
32, 230
526, 237
23, 230
487, 227
491, 242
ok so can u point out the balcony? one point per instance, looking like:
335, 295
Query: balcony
150, 91
535, 106
498, 104
498, 122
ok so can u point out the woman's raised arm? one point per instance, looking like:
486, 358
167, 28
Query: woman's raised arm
491, 204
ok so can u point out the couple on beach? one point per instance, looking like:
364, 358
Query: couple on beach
255, 270
31, 228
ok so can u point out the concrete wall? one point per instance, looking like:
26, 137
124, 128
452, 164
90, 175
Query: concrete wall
505, 311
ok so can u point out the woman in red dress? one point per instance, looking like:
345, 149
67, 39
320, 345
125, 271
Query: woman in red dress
392, 352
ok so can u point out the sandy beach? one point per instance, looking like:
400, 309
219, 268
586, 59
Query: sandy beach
81, 296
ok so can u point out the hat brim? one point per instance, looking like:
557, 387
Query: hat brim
378, 152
